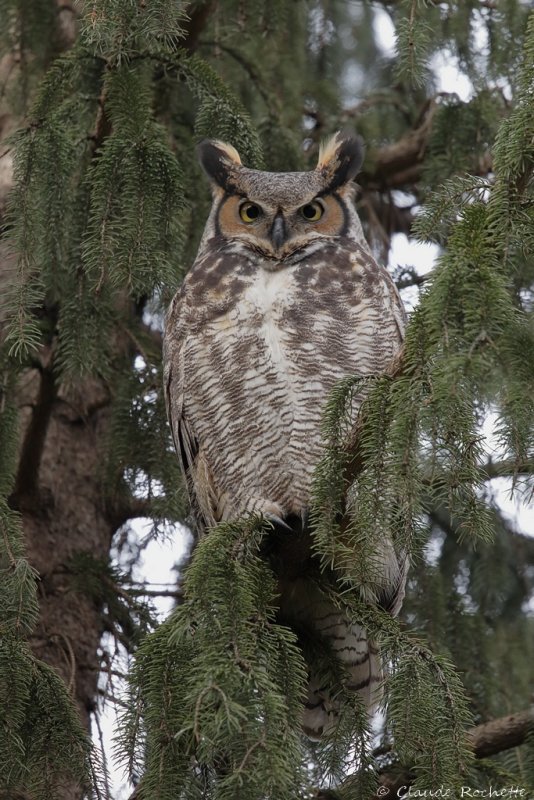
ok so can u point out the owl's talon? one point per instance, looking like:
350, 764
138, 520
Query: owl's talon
278, 522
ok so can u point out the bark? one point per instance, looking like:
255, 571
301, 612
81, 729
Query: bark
58, 489
398, 165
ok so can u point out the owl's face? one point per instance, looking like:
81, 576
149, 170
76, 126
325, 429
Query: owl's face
277, 214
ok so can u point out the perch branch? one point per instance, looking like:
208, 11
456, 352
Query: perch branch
485, 740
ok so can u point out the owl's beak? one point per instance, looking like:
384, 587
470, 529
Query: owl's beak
278, 231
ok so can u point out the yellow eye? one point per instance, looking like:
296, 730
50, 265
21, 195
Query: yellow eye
249, 212
312, 211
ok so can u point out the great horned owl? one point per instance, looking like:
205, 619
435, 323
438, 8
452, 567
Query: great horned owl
284, 299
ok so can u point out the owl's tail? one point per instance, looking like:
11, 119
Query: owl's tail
360, 660
322, 624
306, 608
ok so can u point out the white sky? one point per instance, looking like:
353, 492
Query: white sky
160, 557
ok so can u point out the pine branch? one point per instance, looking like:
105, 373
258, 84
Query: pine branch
356, 461
248, 66
400, 165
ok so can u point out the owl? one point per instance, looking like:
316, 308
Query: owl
284, 300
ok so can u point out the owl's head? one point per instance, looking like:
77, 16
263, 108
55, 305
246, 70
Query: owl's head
278, 213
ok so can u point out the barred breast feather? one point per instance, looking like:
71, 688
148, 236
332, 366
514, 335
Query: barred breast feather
251, 356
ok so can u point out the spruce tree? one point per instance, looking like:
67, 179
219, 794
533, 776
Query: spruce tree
101, 105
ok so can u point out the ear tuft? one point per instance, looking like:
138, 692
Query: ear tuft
340, 159
219, 161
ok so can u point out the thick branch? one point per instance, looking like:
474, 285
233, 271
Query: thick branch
126, 506
485, 740
400, 163
198, 19
501, 734
34, 441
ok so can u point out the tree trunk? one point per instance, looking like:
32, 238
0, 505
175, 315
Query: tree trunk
63, 437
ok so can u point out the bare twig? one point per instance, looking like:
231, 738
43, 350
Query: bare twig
507, 468
409, 277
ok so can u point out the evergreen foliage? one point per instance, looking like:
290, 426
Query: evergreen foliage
118, 30
413, 40
104, 219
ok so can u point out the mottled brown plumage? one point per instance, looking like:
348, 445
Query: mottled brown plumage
283, 300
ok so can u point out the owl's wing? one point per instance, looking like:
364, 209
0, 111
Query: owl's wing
398, 312
185, 442
390, 598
